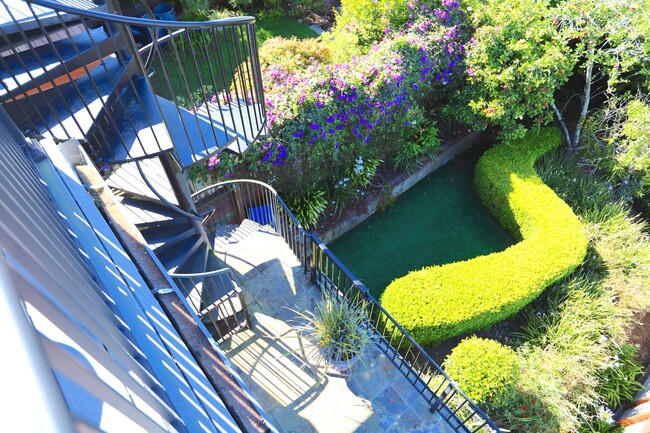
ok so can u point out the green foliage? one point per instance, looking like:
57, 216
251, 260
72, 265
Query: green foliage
617, 142
387, 198
618, 382
303, 8
195, 10
575, 365
484, 369
270, 26
426, 144
308, 207
337, 330
515, 63
292, 54
342, 43
439, 302
363, 170
369, 18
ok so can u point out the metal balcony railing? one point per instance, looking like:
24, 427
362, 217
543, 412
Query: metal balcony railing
131, 88
234, 201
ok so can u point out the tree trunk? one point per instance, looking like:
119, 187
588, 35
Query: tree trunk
586, 99
563, 125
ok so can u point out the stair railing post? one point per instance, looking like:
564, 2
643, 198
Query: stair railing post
180, 185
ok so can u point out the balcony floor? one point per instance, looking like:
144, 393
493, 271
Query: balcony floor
294, 391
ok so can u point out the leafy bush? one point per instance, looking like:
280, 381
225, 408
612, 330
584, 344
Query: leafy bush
617, 142
516, 62
337, 329
308, 207
484, 369
323, 117
439, 302
326, 116
195, 9
575, 364
426, 144
618, 382
292, 54
369, 18
302, 8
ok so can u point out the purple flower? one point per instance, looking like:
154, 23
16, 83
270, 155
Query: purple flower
298, 134
314, 126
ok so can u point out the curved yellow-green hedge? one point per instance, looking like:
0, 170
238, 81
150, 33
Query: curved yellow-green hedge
440, 302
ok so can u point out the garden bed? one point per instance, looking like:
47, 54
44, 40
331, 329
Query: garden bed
389, 184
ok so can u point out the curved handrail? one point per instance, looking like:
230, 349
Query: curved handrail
144, 22
262, 184
202, 274
229, 182
163, 199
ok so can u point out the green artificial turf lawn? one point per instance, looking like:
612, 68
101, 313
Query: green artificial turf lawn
439, 220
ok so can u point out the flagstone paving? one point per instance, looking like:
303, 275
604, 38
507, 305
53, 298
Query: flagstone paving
289, 383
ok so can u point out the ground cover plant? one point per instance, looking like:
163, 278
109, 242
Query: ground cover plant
440, 302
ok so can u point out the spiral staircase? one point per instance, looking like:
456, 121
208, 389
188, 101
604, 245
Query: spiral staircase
146, 99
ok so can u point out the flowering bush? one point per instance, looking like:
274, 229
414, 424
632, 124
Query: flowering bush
324, 118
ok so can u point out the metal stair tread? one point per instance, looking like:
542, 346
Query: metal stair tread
24, 16
146, 212
76, 114
127, 178
162, 241
188, 249
142, 132
47, 58
219, 127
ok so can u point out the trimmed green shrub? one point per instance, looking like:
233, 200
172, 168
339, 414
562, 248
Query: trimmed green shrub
440, 302
293, 54
484, 369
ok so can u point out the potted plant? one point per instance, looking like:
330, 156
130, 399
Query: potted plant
337, 332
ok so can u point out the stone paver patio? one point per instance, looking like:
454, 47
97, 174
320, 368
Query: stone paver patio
295, 392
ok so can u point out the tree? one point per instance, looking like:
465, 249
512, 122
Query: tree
606, 38
515, 63
524, 51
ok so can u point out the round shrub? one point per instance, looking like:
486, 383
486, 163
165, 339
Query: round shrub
440, 302
484, 369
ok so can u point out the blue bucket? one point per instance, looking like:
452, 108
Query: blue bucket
164, 12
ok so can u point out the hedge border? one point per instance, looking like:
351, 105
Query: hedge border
440, 302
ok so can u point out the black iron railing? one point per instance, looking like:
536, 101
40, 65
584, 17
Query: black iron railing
216, 300
132, 88
235, 201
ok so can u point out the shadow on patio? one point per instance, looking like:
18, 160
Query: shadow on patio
295, 393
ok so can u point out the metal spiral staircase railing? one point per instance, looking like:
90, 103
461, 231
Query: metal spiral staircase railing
147, 99
194, 89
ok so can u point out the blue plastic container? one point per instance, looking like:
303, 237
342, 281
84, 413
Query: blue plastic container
164, 12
